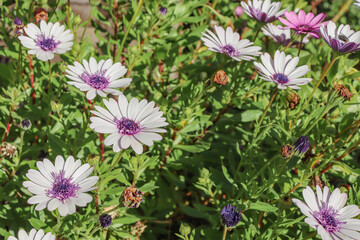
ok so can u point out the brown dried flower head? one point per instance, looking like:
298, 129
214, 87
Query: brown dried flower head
317, 181
293, 99
132, 197
287, 151
343, 91
8, 150
40, 14
138, 229
220, 77
308, 155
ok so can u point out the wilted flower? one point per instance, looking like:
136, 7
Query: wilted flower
138, 229
287, 151
132, 197
229, 43
40, 14
326, 213
302, 144
263, 11
341, 39
129, 123
8, 150
230, 216
18, 21
279, 35
293, 99
220, 77
98, 78
33, 235
47, 40
239, 11
304, 23
163, 11
25, 124
282, 70
343, 91
105, 220
19, 27
62, 186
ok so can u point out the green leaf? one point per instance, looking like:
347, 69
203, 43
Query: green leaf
261, 206
36, 223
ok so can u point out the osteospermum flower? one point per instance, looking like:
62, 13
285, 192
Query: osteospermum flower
304, 23
357, 3
230, 216
341, 39
33, 235
62, 186
129, 123
98, 77
47, 40
263, 11
229, 43
279, 35
326, 213
282, 70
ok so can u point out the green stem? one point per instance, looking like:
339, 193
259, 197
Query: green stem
129, 28
316, 87
257, 33
264, 114
300, 44
116, 162
68, 14
224, 233
87, 23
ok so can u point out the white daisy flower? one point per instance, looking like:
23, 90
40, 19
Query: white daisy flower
357, 3
61, 186
279, 35
48, 39
33, 235
326, 213
229, 43
98, 78
263, 11
129, 124
282, 70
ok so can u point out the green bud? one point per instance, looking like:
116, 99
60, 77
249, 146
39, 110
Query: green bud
56, 106
185, 229
92, 159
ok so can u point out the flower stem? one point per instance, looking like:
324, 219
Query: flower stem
257, 33
224, 233
87, 23
116, 162
300, 44
264, 114
316, 87
129, 28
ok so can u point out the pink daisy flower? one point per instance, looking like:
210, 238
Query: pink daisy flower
304, 23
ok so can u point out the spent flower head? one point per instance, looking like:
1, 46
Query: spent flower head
132, 197
8, 149
230, 215
228, 42
326, 213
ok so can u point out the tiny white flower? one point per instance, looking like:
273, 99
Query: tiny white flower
228, 42
263, 11
62, 186
279, 35
282, 70
33, 235
326, 213
128, 123
47, 40
98, 77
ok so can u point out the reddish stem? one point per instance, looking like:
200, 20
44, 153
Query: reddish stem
32, 79
8, 126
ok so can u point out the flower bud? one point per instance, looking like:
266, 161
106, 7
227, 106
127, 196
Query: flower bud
239, 11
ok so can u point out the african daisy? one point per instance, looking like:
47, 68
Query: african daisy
304, 23
229, 43
279, 35
33, 235
98, 78
128, 123
263, 11
282, 70
61, 186
326, 213
357, 3
47, 40
341, 39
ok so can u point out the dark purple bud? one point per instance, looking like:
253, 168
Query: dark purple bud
302, 144
105, 220
26, 124
163, 10
17, 21
230, 216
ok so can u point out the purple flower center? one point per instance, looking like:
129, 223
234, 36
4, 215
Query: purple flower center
126, 126
327, 218
97, 81
46, 44
230, 50
280, 78
304, 28
63, 188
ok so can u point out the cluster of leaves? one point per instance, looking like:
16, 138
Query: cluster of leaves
214, 152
